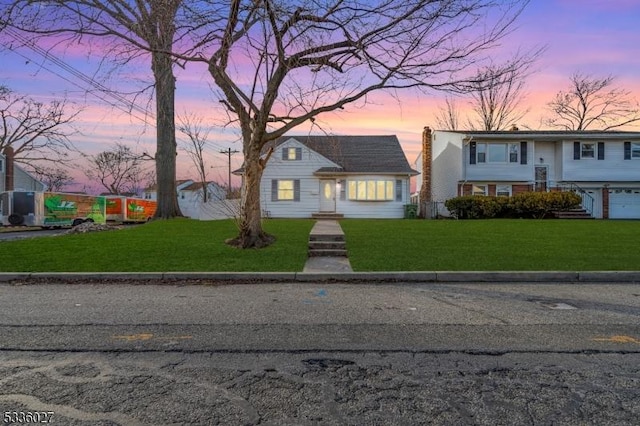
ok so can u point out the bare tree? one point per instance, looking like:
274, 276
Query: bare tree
119, 171
137, 27
448, 116
55, 178
281, 63
496, 103
191, 126
593, 103
36, 131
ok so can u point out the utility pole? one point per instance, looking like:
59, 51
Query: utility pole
229, 153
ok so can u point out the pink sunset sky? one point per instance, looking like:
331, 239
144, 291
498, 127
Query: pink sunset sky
596, 37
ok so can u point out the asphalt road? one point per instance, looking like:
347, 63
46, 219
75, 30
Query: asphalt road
322, 354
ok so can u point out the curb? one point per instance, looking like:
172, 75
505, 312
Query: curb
307, 277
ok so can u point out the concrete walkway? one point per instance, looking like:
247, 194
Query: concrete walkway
326, 263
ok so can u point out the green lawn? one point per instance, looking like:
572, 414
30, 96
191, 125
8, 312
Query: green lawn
160, 246
373, 245
492, 245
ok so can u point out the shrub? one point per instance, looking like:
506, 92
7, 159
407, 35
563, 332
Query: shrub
541, 204
476, 206
524, 205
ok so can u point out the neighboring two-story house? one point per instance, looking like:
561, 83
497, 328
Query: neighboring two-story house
602, 166
336, 176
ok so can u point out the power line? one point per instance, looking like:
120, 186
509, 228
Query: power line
47, 56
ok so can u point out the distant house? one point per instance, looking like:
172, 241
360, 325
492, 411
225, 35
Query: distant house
604, 167
14, 177
151, 192
336, 176
191, 195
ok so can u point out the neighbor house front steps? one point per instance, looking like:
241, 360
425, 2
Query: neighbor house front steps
573, 214
327, 240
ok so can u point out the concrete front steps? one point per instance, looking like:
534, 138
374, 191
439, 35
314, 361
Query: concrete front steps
573, 214
327, 240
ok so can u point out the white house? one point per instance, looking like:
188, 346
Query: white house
191, 195
336, 176
151, 192
604, 167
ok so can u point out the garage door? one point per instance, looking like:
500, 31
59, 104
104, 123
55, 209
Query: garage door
624, 204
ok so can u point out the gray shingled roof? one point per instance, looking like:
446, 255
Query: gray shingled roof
358, 154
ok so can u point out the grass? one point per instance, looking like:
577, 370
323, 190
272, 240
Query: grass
493, 245
161, 246
374, 245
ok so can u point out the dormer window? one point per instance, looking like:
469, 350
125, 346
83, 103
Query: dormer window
291, 153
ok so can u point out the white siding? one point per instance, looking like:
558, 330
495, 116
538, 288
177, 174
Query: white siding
545, 151
500, 171
596, 194
303, 170
417, 165
23, 181
447, 165
613, 168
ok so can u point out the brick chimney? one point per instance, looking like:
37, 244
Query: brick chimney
514, 128
425, 189
8, 168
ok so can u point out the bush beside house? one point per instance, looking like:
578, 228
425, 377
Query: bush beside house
536, 205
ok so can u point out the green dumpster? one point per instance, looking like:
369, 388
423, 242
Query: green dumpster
410, 211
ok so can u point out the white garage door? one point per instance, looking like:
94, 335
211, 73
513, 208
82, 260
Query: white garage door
624, 204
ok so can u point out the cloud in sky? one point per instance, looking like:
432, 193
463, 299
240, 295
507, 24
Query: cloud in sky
590, 36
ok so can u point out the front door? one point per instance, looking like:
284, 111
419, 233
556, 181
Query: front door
541, 173
328, 195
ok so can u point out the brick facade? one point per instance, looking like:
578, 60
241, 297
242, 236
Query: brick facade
425, 189
605, 202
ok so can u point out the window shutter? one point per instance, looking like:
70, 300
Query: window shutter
296, 190
576, 150
298, 153
600, 150
285, 153
472, 153
627, 150
398, 190
274, 190
523, 153
343, 190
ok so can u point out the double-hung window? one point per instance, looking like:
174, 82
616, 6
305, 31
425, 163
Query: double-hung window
503, 190
285, 190
635, 150
495, 153
588, 150
479, 190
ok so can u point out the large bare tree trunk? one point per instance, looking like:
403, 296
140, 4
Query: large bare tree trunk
162, 66
250, 233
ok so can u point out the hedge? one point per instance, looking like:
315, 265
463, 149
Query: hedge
523, 205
